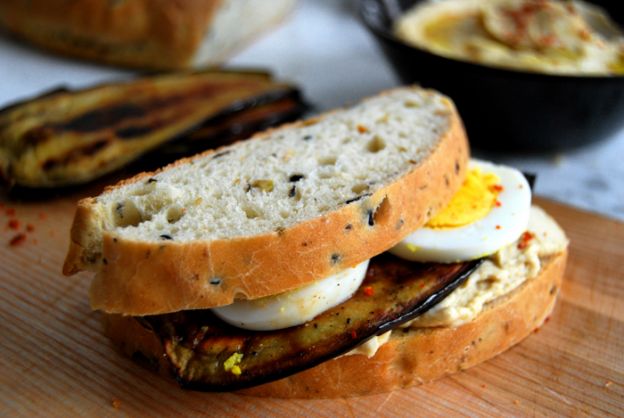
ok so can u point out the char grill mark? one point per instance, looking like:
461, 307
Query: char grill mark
70, 137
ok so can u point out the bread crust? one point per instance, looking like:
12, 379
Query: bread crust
409, 358
141, 278
156, 34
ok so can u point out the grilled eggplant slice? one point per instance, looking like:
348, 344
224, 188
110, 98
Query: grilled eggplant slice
199, 347
65, 138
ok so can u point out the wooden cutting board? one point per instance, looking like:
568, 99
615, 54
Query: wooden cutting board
54, 360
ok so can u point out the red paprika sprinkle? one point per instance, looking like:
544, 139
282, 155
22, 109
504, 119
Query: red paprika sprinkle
524, 240
362, 129
498, 227
498, 204
30, 227
369, 291
497, 188
10, 211
13, 224
17, 240
42, 215
353, 334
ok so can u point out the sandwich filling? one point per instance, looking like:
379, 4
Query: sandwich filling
498, 275
205, 353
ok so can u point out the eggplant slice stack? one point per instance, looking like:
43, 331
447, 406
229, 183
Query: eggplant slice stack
64, 138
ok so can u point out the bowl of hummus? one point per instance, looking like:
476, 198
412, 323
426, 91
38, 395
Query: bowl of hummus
547, 36
526, 75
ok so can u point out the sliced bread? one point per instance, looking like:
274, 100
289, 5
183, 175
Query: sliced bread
289, 206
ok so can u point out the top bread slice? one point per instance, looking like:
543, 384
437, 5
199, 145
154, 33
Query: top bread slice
155, 34
283, 209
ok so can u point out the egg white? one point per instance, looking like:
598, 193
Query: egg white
500, 227
294, 307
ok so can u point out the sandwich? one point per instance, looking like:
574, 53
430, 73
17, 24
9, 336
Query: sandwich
352, 253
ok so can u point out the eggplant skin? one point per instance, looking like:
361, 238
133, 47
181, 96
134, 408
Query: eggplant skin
197, 344
63, 137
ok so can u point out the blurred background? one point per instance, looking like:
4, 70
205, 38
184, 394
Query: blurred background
326, 50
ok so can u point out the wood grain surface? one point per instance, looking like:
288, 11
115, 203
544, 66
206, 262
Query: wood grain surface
54, 360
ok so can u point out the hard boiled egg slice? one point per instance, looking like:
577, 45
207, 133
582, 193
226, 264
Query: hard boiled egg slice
294, 307
490, 211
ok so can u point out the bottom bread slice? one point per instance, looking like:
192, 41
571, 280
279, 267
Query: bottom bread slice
412, 356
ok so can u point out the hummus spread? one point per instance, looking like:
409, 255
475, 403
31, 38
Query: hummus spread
370, 346
499, 275
549, 36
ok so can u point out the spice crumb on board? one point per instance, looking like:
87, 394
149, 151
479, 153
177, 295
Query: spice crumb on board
608, 384
116, 403
17, 240
16, 224
516, 402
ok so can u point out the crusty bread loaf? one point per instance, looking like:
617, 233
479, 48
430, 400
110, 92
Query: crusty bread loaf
158, 34
411, 356
283, 209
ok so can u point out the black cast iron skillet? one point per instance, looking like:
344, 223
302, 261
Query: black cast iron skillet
508, 109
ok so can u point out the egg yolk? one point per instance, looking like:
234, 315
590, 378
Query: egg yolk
474, 200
